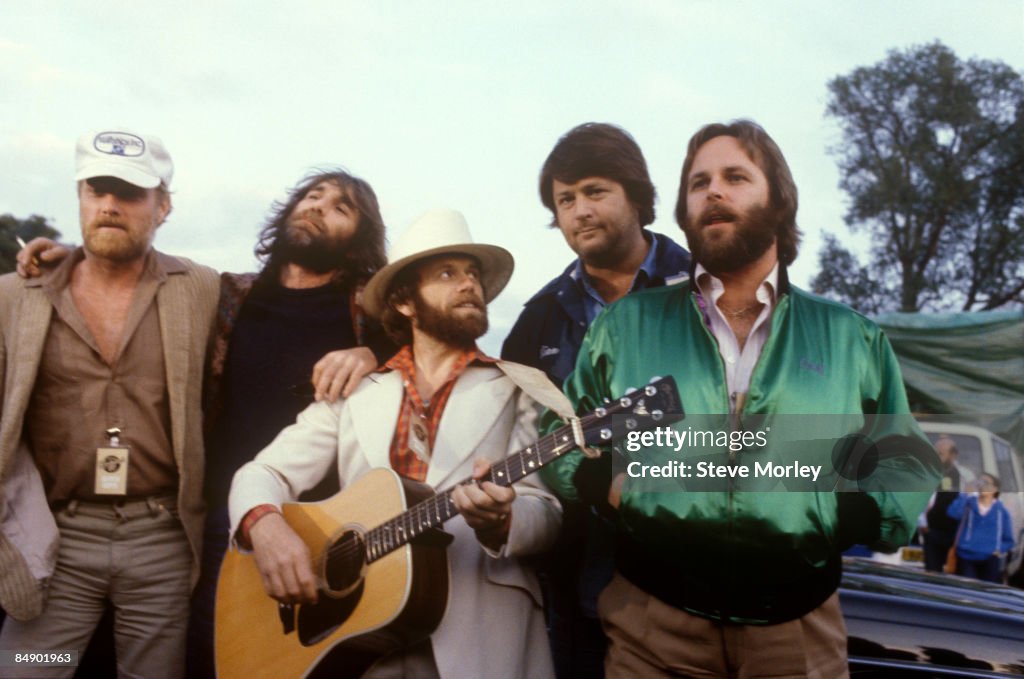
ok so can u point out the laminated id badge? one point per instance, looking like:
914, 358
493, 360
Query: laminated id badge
111, 470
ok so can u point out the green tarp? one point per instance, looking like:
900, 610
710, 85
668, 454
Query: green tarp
970, 365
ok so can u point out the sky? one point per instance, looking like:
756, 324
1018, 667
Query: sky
452, 104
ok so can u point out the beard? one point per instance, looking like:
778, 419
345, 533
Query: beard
754, 230
126, 245
311, 250
448, 325
605, 249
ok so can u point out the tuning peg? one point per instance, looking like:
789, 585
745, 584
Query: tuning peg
606, 434
606, 400
630, 423
654, 379
631, 390
625, 401
600, 412
656, 415
649, 390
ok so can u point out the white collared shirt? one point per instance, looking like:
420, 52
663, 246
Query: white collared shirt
739, 365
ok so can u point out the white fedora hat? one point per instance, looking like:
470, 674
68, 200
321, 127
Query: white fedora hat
439, 232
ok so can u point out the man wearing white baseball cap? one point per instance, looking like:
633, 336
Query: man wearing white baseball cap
438, 412
101, 445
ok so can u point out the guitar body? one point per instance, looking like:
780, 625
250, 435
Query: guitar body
391, 603
381, 558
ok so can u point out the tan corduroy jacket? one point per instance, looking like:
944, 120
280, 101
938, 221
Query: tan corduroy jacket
186, 303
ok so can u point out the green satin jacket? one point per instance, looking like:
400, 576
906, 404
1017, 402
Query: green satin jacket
762, 545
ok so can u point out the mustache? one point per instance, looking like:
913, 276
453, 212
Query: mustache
478, 302
308, 216
107, 221
713, 212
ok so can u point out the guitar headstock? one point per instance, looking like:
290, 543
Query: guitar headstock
656, 404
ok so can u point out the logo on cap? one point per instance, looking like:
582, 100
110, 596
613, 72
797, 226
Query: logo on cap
119, 144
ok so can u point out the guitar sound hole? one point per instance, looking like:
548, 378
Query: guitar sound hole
345, 565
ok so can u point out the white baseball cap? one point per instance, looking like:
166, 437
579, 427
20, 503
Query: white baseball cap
137, 159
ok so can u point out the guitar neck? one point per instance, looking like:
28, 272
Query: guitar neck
436, 510
657, 402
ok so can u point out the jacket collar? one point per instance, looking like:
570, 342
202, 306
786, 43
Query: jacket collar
672, 262
783, 282
157, 264
379, 399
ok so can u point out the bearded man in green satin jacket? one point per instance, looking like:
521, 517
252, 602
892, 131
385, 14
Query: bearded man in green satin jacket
797, 443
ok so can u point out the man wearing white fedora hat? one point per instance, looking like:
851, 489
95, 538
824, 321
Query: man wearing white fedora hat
438, 411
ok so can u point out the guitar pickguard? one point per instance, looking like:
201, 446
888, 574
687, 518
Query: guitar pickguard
317, 621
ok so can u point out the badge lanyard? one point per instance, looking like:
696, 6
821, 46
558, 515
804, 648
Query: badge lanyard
112, 465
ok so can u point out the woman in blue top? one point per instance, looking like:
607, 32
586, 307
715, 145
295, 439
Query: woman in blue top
986, 531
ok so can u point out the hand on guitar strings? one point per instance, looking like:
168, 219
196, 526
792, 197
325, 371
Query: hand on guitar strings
283, 560
486, 506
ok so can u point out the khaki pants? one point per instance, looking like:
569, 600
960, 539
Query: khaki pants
138, 558
649, 638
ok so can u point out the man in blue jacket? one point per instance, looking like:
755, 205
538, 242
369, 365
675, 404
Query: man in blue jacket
596, 184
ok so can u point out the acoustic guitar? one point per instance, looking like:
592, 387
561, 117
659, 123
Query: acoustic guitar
383, 582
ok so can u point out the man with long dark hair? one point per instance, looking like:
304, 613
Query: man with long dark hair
299, 316
730, 567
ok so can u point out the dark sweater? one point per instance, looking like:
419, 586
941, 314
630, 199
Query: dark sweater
279, 336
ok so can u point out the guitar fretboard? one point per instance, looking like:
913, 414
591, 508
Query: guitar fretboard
435, 510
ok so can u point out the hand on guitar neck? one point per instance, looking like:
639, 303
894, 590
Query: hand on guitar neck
283, 560
486, 506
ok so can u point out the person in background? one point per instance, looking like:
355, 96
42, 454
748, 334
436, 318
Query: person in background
985, 533
937, 527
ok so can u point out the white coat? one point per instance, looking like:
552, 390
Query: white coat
494, 625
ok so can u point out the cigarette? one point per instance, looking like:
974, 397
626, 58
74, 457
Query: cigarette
35, 260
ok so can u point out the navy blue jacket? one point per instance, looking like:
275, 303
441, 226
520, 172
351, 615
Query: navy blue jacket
548, 333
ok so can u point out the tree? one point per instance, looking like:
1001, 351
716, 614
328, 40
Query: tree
11, 227
932, 156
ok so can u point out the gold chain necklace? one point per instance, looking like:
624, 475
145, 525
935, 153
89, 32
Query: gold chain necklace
740, 313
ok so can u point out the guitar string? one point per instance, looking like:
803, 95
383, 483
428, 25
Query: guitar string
379, 534
392, 535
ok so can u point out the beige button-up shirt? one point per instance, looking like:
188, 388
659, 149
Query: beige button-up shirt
78, 395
